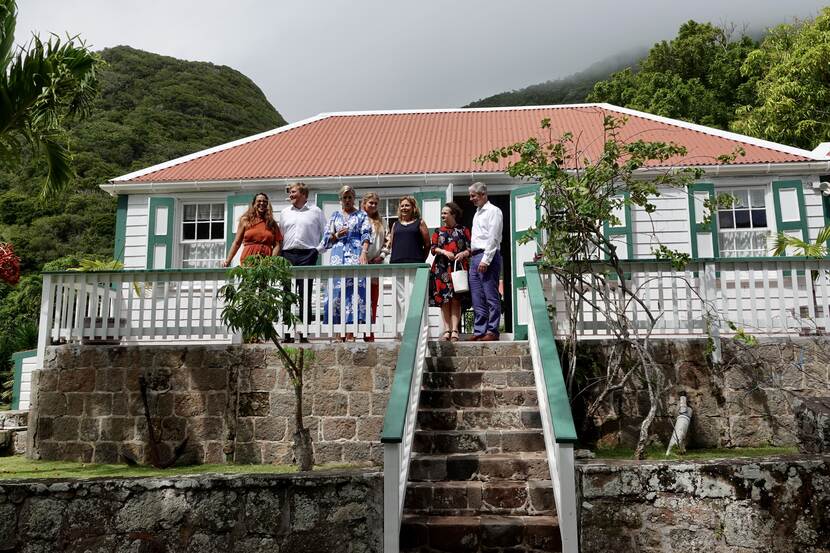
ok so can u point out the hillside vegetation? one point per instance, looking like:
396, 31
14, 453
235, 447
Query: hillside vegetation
151, 109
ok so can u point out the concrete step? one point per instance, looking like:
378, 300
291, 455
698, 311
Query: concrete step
512, 397
474, 498
472, 441
474, 349
478, 380
490, 533
480, 363
479, 418
479, 466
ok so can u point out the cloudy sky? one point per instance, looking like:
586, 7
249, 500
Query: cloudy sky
317, 56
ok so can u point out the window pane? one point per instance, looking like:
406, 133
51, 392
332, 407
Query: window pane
190, 213
742, 218
188, 231
204, 212
725, 219
727, 243
216, 230
757, 197
759, 218
759, 243
203, 231
741, 198
743, 242
205, 254
217, 212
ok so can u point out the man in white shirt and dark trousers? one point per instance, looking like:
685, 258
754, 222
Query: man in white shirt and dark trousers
485, 265
302, 225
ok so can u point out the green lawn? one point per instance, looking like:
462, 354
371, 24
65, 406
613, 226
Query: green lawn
657, 453
18, 467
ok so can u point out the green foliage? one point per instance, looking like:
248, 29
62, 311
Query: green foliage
791, 70
257, 295
695, 77
43, 86
817, 250
570, 90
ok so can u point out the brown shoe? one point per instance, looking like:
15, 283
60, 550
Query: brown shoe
489, 337
473, 338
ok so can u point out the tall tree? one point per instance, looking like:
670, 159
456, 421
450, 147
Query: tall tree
42, 86
695, 77
791, 70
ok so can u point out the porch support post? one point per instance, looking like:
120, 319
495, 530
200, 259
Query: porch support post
45, 325
391, 497
710, 294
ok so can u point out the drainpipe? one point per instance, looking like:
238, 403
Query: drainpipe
681, 426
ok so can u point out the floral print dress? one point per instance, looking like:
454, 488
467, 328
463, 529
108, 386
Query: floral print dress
346, 251
455, 240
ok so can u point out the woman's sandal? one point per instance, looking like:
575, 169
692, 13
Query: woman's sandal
454, 336
447, 336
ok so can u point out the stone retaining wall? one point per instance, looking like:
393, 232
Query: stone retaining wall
313, 513
232, 403
779, 505
747, 401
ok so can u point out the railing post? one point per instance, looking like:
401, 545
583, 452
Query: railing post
391, 497
710, 294
567, 507
45, 325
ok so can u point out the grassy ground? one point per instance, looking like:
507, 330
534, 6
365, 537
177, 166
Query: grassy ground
656, 453
18, 467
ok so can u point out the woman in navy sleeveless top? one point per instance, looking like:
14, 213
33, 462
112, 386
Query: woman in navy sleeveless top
410, 236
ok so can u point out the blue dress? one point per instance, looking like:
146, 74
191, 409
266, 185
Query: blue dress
346, 251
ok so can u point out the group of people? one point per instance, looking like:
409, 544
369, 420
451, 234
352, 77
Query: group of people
357, 236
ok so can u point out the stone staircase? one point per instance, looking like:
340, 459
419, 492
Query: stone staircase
478, 479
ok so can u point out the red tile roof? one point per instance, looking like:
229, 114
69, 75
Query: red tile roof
441, 141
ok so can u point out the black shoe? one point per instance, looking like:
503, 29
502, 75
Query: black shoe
288, 340
303, 340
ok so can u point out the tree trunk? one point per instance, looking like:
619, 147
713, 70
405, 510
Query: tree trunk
303, 451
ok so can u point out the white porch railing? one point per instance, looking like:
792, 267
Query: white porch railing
555, 411
183, 305
764, 296
402, 412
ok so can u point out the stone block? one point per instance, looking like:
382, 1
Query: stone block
117, 429
245, 429
812, 424
121, 404
328, 452
51, 404
356, 379
110, 379
339, 428
205, 428
364, 356
189, 404
44, 427
331, 404
357, 452
278, 453
369, 428
173, 429
106, 453
270, 429
75, 404
205, 379
89, 429
254, 404
247, 453
325, 378
65, 429
98, 404
748, 432
359, 404
379, 401
215, 453
382, 377
47, 380
262, 379
169, 358
217, 403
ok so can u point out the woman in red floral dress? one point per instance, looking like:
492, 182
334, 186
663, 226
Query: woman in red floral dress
451, 242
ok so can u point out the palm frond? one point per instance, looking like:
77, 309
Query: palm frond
59, 163
8, 22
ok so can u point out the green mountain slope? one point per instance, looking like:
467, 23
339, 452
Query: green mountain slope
569, 90
151, 109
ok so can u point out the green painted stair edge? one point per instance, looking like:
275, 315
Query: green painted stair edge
395, 418
17, 360
558, 402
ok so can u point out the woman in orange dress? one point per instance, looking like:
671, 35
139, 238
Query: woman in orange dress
258, 232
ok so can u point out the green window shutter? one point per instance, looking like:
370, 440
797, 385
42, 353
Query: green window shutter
790, 214
428, 201
17, 359
626, 229
235, 207
160, 233
704, 235
825, 202
120, 228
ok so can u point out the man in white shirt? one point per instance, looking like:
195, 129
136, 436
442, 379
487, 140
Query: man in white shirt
302, 225
485, 265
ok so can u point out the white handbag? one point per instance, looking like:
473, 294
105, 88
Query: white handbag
460, 283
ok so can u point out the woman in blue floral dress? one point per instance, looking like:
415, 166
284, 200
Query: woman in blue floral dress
348, 234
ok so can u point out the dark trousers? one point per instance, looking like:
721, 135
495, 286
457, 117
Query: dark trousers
303, 258
484, 291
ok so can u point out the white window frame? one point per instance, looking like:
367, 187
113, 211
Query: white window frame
178, 234
769, 209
